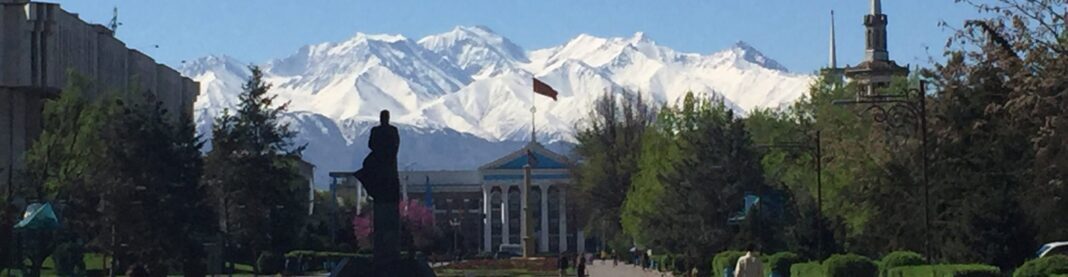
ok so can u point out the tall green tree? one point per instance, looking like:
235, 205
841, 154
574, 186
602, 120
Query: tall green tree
702, 187
609, 143
998, 107
123, 175
151, 196
253, 175
1024, 42
62, 163
658, 155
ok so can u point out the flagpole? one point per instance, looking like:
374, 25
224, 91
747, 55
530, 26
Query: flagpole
533, 110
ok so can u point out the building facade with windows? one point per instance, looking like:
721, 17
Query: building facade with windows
484, 204
40, 45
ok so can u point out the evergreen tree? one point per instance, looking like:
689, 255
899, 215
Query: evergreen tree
151, 196
123, 176
253, 175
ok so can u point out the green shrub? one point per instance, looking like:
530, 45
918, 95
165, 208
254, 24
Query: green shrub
680, 265
902, 258
1045, 266
69, 259
945, 270
724, 260
978, 272
780, 263
809, 269
850, 265
270, 263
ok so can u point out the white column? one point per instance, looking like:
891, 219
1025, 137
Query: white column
562, 239
504, 214
359, 196
487, 219
580, 242
543, 239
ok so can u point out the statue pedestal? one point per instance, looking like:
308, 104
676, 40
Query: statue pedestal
387, 233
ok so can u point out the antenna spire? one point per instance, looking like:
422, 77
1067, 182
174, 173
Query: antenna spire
833, 48
114, 23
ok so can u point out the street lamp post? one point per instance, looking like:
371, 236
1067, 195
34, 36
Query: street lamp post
455, 223
814, 144
895, 110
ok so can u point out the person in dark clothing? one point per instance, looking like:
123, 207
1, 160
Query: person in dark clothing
580, 266
379, 177
561, 264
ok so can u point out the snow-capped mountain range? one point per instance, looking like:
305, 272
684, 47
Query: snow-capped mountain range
463, 98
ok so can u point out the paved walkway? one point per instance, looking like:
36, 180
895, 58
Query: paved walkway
605, 268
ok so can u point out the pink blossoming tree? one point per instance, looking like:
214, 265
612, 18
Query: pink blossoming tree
416, 219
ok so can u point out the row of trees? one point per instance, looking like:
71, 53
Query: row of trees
997, 135
129, 180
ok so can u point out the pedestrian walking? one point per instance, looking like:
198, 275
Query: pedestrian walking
580, 266
561, 264
749, 265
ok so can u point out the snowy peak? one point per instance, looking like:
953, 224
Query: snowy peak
640, 37
479, 36
477, 51
211, 63
358, 77
750, 54
220, 78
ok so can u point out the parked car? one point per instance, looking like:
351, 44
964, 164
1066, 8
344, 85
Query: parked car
506, 251
1053, 248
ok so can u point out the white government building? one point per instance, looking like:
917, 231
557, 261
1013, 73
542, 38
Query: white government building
486, 201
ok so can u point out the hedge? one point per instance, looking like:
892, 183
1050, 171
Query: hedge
724, 260
314, 260
681, 265
945, 270
902, 258
780, 263
1045, 266
850, 265
270, 263
322, 254
809, 269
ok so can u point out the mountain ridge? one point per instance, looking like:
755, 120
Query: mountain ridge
471, 86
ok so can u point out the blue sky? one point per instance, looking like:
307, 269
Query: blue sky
794, 32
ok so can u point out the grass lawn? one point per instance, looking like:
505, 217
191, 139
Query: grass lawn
92, 261
496, 272
95, 261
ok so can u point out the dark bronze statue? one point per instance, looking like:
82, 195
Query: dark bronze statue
379, 172
379, 178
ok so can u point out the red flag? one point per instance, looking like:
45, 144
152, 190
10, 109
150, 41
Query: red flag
544, 89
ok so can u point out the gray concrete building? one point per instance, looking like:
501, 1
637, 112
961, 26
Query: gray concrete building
39, 44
